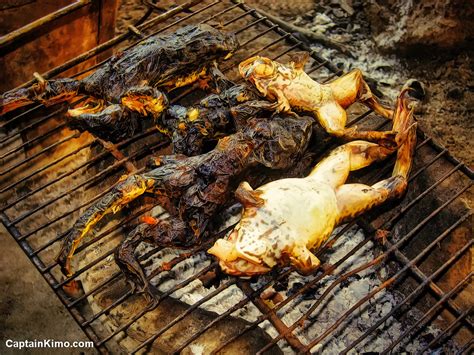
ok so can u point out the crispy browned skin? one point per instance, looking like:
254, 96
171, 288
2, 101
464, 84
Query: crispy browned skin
193, 189
276, 230
189, 128
130, 78
213, 117
292, 89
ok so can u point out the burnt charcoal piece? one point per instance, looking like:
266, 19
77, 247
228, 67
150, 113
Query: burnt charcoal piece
193, 189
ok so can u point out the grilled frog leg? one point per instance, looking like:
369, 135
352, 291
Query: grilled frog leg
45, 92
126, 190
284, 220
113, 123
172, 232
292, 89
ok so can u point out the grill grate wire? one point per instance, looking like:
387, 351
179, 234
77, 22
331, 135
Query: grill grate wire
245, 20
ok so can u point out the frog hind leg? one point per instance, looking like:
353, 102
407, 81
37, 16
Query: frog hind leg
354, 199
127, 190
130, 266
165, 233
333, 117
303, 260
352, 87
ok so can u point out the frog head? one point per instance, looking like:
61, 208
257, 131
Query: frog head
245, 252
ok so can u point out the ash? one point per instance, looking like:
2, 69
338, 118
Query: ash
383, 70
338, 301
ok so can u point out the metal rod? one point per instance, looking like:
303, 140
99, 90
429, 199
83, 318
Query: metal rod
203, 300
129, 293
422, 320
19, 34
390, 282
49, 278
262, 20
232, 309
95, 178
20, 115
35, 155
112, 42
65, 214
101, 174
29, 126
95, 66
434, 288
437, 146
251, 24
281, 327
92, 161
38, 138
237, 18
47, 166
439, 239
105, 282
447, 330
283, 33
227, 9
299, 292
367, 265
466, 348
163, 296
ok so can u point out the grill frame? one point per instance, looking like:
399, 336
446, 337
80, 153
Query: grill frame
122, 160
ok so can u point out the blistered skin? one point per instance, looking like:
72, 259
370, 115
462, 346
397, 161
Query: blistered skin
293, 90
189, 128
131, 78
284, 220
165, 61
193, 189
215, 116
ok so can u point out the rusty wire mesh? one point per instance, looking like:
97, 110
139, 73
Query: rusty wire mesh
47, 170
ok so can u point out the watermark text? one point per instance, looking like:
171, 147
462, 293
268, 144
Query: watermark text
47, 343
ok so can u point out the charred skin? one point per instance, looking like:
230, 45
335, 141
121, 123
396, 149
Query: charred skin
215, 116
292, 89
190, 128
162, 61
113, 124
284, 220
46, 93
193, 189
119, 121
125, 191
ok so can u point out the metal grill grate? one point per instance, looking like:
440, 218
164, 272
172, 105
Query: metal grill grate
47, 170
